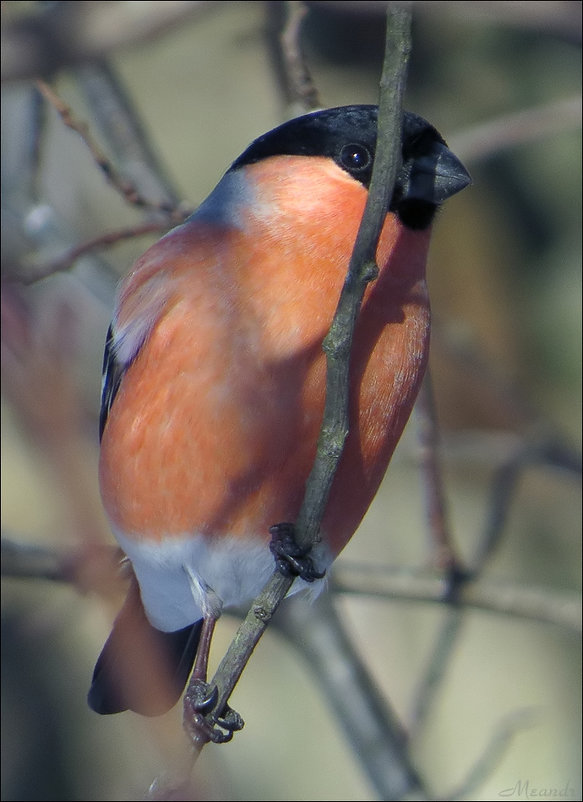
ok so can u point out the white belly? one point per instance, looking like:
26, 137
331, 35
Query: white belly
182, 579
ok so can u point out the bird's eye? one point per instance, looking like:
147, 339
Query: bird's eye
355, 157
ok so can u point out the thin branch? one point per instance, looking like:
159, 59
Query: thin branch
445, 557
523, 602
29, 561
34, 133
124, 187
124, 131
89, 568
301, 87
543, 605
493, 753
290, 68
67, 259
114, 111
371, 727
504, 482
24, 560
361, 270
487, 139
436, 667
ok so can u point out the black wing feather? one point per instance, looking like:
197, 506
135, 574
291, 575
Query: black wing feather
141, 668
113, 371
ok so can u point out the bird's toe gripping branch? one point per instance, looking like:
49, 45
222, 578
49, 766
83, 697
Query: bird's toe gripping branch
200, 722
291, 559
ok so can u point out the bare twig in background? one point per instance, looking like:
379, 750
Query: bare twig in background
67, 259
33, 152
302, 89
536, 451
122, 185
540, 604
370, 725
290, 68
90, 568
529, 125
493, 753
114, 113
23, 560
444, 554
129, 143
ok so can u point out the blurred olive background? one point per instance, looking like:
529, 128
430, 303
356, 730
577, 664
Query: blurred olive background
505, 278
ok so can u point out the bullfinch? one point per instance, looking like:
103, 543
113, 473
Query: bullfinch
215, 378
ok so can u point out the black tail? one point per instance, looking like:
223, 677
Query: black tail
141, 668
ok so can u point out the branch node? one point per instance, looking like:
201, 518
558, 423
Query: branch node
262, 614
370, 271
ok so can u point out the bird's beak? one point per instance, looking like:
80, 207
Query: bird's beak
436, 176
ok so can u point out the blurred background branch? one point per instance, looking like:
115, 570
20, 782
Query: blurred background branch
53, 36
25, 561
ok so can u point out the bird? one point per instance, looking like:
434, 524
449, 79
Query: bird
214, 383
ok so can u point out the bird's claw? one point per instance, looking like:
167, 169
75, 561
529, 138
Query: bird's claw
291, 559
201, 696
230, 720
200, 722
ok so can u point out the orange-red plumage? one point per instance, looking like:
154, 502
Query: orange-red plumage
235, 358
216, 349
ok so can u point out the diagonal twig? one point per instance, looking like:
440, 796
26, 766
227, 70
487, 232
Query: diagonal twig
67, 259
362, 269
124, 187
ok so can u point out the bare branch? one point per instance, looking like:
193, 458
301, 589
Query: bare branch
90, 567
535, 604
444, 556
511, 130
113, 109
66, 260
370, 725
528, 604
124, 187
30, 561
24, 560
284, 27
302, 89
362, 269
493, 753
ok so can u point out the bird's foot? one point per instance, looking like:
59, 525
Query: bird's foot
201, 722
291, 559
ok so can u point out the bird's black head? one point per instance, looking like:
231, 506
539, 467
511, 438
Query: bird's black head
429, 174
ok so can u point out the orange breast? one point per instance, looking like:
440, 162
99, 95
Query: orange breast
215, 425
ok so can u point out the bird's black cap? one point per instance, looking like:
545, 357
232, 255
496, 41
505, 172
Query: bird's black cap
430, 173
